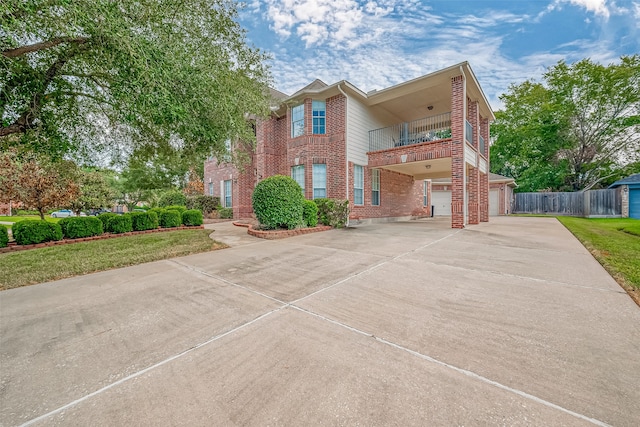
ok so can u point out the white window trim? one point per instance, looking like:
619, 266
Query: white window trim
355, 182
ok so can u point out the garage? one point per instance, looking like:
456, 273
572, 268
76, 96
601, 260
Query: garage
634, 203
631, 187
441, 201
494, 202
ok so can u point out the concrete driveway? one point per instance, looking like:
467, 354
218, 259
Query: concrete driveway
506, 323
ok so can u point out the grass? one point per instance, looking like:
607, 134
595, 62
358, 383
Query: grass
615, 243
58, 262
15, 218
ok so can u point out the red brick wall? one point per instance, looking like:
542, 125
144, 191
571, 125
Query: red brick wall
457, 151
400, 195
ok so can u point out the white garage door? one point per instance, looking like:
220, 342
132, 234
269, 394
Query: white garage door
494, 202
441, 201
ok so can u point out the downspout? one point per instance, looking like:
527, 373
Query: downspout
346, 153
465, 207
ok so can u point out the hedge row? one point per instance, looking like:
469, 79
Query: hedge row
28, 232
4, 236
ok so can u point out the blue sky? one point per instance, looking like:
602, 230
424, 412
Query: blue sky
378, 43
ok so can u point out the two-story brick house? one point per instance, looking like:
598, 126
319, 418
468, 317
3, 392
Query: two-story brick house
379, 149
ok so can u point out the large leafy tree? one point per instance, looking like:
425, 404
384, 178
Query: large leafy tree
88, 75
578, 128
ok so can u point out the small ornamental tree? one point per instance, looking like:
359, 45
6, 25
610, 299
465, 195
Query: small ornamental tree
278, 202
36, 181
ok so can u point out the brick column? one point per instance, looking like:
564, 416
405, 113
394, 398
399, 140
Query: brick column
457, 152
474, 199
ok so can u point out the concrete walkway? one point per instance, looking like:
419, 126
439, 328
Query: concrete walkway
506, 323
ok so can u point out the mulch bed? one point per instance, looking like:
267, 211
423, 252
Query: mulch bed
13, 247
253, 230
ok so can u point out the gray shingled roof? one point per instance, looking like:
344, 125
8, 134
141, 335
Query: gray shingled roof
631, 179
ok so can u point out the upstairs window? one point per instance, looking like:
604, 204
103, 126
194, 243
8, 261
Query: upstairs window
297, 121
319, 117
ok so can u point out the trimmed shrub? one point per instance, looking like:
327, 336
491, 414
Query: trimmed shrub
310, 213
171, 198
278, 202
170, 218
119, 224
157, 211
4, 236
141, 221
192, 217
176, 208
206, 204
333, 212
80, 226
225, 213
29, 232
104, 217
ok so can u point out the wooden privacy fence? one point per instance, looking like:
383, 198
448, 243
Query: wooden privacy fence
591, 203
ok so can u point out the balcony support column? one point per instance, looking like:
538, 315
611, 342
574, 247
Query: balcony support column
458, 101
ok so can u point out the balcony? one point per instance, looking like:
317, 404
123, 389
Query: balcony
432, 128
482, 146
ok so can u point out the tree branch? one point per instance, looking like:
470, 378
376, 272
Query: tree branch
22, 50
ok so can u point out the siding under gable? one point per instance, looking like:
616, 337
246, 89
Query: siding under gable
360, 121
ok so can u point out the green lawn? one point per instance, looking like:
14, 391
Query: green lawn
615, 243
57, 262
16, 218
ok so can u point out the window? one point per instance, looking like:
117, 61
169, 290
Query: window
375, 187
227, 194
358, 185
319, 117
425, 194
211, 188
297, 173
297, 121
319, 181
226, 157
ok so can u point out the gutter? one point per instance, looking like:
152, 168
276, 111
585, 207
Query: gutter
465, 207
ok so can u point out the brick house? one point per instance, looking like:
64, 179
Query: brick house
377, 149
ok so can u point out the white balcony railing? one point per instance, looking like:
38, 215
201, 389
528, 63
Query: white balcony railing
427, 129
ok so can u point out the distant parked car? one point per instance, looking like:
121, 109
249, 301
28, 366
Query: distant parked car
63, 213
96, 212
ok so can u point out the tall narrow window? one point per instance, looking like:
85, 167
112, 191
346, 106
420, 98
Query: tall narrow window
226, 157
319, 181
211, 188
297, 173
425, 193
319, 117
297, 121
358, 185
375, 187
227, 194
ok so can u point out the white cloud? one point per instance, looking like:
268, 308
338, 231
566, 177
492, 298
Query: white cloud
601, 8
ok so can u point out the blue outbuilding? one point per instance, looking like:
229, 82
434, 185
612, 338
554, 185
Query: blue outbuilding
631, 192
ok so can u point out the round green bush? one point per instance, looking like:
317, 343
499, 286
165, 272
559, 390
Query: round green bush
225, 213
278, 202
192, 217
119, 224
4, 236
170, 218
29, 232
141, 221
80, 226
310, 213
171, 198
104, 217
